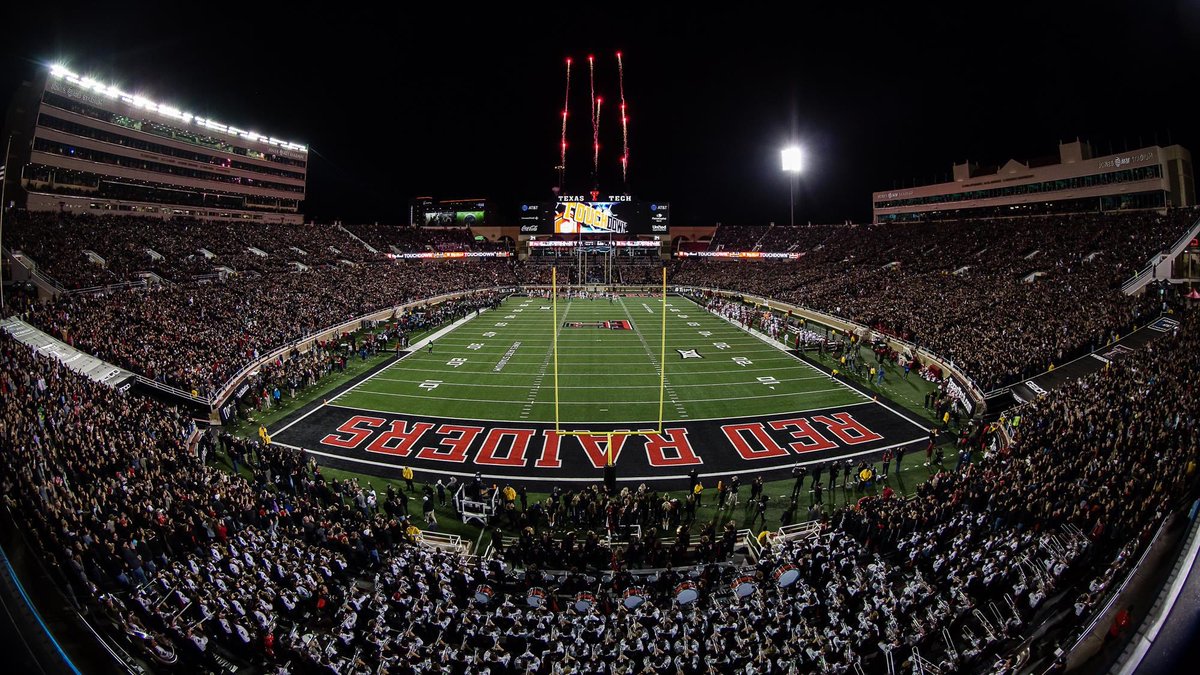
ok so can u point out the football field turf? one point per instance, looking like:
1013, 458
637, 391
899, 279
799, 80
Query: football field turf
499, 366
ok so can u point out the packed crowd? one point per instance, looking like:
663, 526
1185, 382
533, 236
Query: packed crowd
288, 567
1002, 299
406, 239
775, 238
128, 244
1048, 287
196, 337
287, 374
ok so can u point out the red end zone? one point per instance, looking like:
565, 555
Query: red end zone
375, 442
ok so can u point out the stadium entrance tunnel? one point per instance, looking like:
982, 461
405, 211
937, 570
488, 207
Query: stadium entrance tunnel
382, 443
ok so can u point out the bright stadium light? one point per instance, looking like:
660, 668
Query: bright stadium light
59, 71
792, 160
793, 164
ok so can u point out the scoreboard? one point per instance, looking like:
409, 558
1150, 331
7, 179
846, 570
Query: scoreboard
575, 214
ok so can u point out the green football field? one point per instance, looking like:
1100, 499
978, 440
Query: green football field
499, 366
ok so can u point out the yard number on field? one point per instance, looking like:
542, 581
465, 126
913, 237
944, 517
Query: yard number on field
742, 361
430, 384
456, 362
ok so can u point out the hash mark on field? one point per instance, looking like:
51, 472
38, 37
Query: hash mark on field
658, 367
647, 308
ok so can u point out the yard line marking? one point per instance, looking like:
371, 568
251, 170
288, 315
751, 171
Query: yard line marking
660, 368
413, 349
920, 424
592, 403
807, 411
670, 389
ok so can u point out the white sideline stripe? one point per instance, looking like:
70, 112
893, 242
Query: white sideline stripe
642, 422
412, 349
426, 397
624, 386
784, 349
781, 347
593, 479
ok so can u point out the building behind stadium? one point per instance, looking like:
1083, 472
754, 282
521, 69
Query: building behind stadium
1076, 181
88, 146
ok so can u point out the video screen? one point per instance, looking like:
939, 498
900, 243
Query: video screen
572, 216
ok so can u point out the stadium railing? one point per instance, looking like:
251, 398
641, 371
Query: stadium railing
445, 542
349, 325
806, 530
1149, 272
108, 288
32, 272
1147, 634
832, 321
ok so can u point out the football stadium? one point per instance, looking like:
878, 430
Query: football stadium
708, 388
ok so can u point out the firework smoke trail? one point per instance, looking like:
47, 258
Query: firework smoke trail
624, 122
566, 106
595, 117
596, 140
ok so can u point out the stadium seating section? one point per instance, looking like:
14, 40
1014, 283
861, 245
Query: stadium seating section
292, 567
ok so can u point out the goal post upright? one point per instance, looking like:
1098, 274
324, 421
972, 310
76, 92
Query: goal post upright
554, 337
610, 435
662, 359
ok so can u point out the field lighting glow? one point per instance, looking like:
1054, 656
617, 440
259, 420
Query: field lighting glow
58, 71
793, 160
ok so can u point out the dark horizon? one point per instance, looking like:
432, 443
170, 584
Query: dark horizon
394, 105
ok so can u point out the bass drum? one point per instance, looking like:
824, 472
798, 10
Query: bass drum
686, 593
484, 594
743, 586
584, 602
633, 598
536, 597
786, 575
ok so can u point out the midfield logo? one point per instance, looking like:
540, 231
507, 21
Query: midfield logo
611, 325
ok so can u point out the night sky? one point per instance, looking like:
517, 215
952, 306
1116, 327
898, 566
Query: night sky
395, 103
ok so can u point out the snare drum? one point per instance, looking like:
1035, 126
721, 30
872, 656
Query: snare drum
584, 602
536, 597
633, 598
686, 593
484, 594
786, 575
743, 586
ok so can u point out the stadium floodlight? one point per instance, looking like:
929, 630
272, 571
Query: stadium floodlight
792, 160
793, 164
59, 71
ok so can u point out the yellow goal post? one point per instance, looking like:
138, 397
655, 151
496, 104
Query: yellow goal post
662, 372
